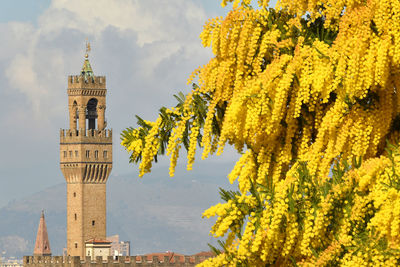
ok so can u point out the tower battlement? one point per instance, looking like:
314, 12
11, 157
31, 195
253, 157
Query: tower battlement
86, 136
86, 155
81, 81
129, 261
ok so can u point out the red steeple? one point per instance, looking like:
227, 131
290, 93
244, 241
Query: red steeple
42, 245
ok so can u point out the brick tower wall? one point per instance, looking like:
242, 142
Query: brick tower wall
74, 229
94, 211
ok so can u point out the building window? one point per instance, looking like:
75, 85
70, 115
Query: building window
65, 154
96, 154
74, 194
70, 154
92, 223
88, 253
87, 153
76, 217
76, 245
76, 153
105, 154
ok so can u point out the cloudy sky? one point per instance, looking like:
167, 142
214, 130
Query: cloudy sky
145, 48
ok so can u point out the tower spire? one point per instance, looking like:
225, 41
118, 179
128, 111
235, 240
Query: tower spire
87, 68
42, 245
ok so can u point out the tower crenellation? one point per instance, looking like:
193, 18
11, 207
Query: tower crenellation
79, 82
67, 135
81, 79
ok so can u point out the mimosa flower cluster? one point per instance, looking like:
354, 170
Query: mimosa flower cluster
295, 91
352, 219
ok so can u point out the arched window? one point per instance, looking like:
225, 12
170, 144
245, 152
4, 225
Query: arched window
91, 113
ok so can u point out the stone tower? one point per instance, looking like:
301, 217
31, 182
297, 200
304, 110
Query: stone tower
42, 244
86, 159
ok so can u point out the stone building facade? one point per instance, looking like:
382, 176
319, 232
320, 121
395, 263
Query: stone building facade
86, 159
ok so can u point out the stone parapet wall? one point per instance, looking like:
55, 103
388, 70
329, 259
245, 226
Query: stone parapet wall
126, 261
85, 135
81, 82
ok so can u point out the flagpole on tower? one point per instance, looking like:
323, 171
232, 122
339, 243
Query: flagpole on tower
88, 49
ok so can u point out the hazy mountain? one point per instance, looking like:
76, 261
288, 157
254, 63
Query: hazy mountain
156, 213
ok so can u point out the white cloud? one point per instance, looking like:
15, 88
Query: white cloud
22, 76
146, 49
156, 29
152, 20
